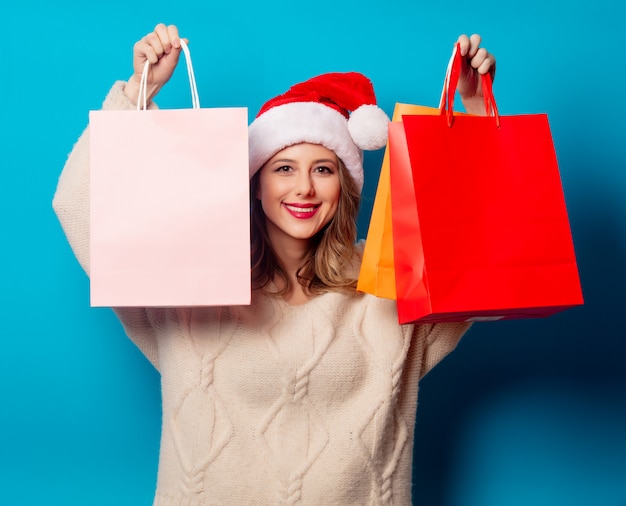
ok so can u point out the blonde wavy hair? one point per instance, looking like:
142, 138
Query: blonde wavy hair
332, 252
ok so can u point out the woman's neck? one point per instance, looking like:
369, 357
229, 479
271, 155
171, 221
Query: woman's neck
292, 254
291, 251
297, 293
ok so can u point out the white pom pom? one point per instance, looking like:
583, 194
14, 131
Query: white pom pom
369, 127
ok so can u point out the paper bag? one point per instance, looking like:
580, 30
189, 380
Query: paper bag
377, 274
170, 207
480, 224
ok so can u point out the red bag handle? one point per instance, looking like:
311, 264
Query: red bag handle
449, 89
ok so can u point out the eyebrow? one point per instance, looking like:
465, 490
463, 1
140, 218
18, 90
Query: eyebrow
289, 160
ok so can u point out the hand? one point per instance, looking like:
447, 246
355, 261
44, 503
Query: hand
476, 61
162, 49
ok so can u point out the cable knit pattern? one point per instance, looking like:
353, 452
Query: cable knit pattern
272, 404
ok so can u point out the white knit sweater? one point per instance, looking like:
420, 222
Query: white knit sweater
273, 404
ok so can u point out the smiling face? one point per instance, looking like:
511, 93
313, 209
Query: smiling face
299, 189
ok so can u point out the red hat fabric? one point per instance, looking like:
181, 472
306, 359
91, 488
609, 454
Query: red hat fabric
336, 110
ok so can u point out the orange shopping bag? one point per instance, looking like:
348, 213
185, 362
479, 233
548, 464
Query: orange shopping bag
170, 206
377, 275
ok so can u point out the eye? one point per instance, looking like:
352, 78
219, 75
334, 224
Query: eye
323, 169
283, 169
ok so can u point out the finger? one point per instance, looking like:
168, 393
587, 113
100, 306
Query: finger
488, 65
464, 44
162, 32
479, 57
154, 42
172, 31
482, 61
474, 41
144, 50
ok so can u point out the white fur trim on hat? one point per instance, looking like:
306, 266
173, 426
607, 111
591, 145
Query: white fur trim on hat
296, 122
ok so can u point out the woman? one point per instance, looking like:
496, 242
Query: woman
308, 395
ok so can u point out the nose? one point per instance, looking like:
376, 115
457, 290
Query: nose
304, 185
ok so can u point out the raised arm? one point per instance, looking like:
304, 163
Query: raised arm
71, 200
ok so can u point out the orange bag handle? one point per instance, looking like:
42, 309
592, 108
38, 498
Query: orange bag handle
449, 89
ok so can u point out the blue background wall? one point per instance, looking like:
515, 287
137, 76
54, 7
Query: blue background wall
524, 412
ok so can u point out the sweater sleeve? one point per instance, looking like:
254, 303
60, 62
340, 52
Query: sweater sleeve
440, 339
71, 205
71, 200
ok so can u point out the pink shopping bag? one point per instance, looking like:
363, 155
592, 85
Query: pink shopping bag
170, 206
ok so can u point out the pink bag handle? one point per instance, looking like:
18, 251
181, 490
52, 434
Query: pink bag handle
195, 99
449, 89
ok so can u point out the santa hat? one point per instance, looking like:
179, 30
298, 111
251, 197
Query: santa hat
336, 110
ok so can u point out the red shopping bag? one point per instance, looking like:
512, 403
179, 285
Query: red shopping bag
480, 225
170, 206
